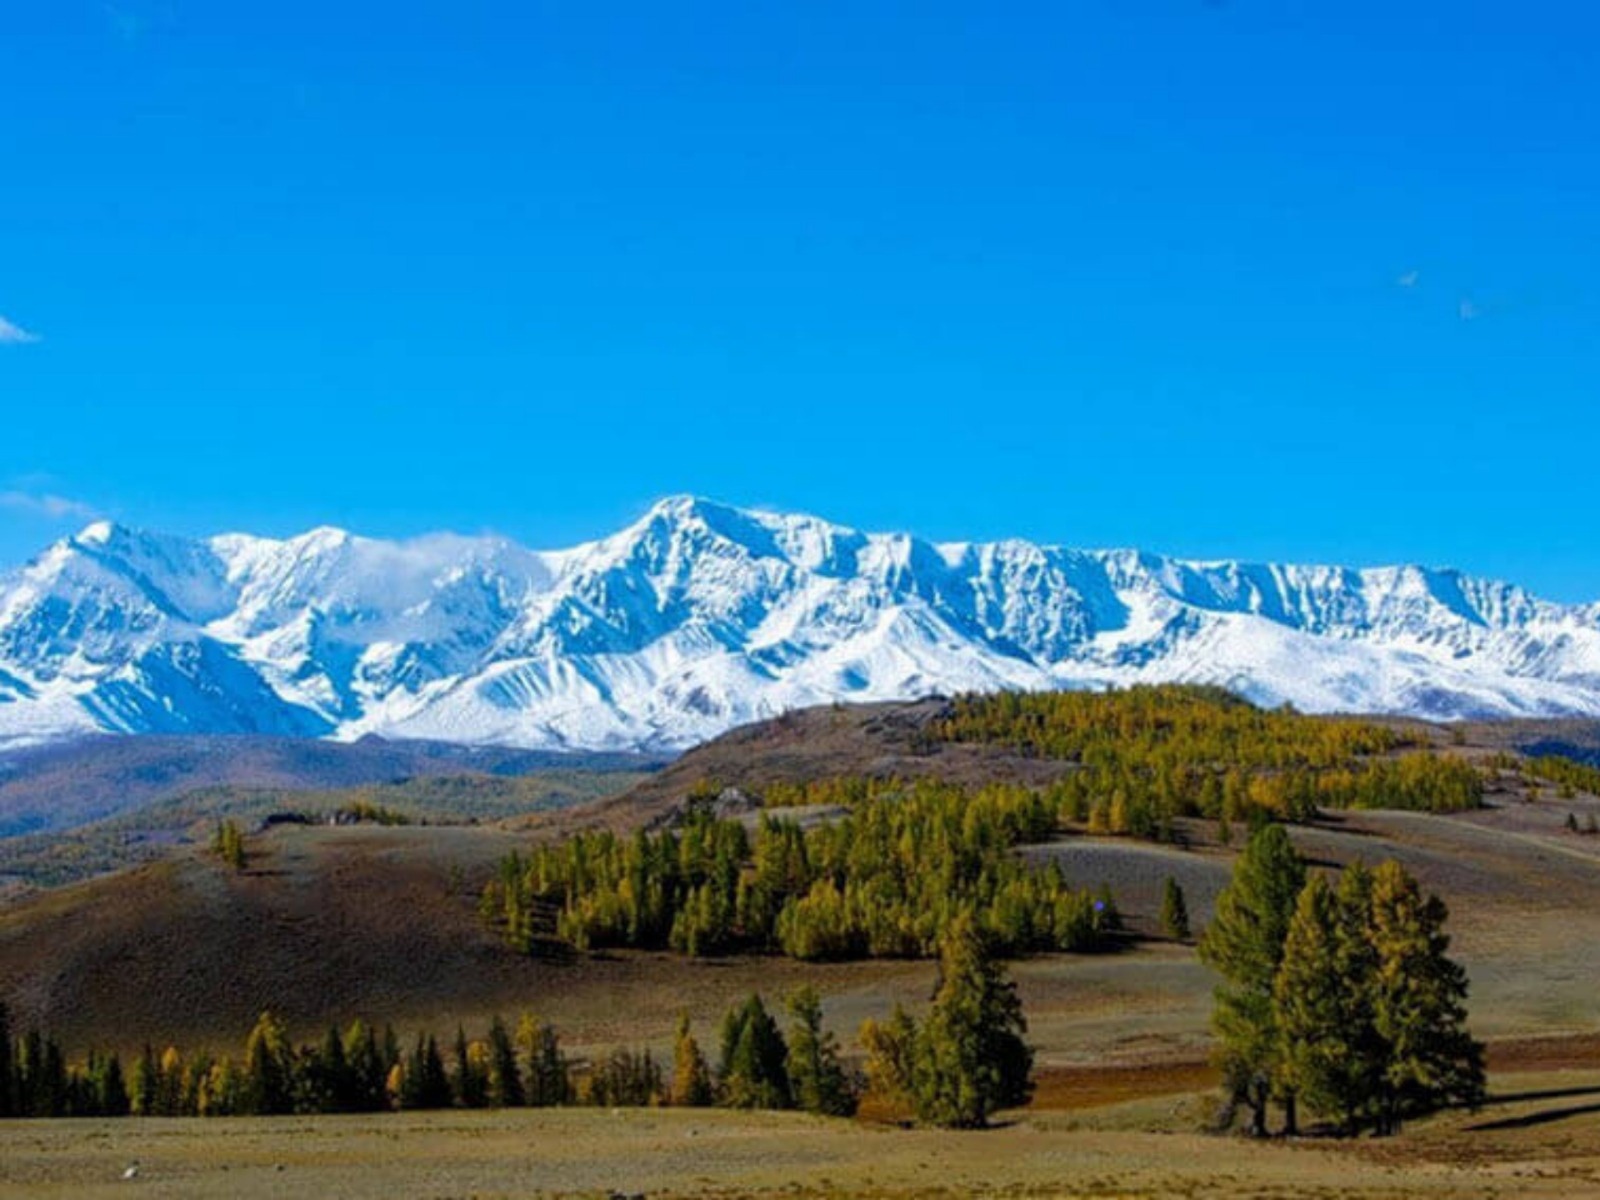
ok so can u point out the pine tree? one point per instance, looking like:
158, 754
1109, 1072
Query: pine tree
545, 1067
111, 1090
970, 1057
146, 1082
1309, 1003
366, 1068
1174, 911
1419, 1003
424, 1082
471, 1078
816, 1075
691, 1077
227, 842
268, 1068
8, 1071
505, 1080
1244, 943
754, 1071
891, 1058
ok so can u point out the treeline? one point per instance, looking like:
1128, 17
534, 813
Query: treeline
1337, 996
887, 879
1151, 754
1569, 775
359, 1070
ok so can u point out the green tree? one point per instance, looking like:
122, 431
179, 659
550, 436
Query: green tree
227, 843
146, 1082
817, 1077
471, 1083
891, 1058
111, 1090
1244, 943
8, 1070
545, 1067
424, 1083
1309, 1008
1174, 911
367, 1067
691, 1077
1419, 1003
505, 1079
268, 1068
970, 1057
754, 1069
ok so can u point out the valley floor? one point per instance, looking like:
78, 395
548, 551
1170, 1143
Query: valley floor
1539, 1137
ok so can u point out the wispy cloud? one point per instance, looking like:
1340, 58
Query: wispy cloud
1408, 279
15, 335
48, 505
1469, 310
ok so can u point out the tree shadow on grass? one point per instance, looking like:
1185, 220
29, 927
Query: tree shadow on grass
1545, 1117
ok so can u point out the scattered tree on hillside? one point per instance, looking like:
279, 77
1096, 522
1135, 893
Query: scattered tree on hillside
505, 1080
227, 843
1174, 911
545, 1068
754, 1060
968, 1058
625, 1079
817, 1077
691, 1077
1419, 1003
1244, 943
268, 1068
8, 1071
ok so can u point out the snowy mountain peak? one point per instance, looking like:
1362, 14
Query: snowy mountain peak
702, 615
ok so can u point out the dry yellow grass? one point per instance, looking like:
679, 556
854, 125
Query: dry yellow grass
1542, 1143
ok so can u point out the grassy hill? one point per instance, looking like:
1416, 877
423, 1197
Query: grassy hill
327, 923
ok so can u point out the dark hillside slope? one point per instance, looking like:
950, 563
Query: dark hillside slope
63, 785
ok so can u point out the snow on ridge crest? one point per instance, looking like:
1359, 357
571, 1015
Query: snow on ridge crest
701, 615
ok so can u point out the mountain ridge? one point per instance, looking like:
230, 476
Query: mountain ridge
700, 616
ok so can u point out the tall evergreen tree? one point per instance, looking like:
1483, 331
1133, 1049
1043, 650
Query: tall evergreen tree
471, 1074
1419, 1002
754, 1058
146, 1082
691, 1077
505, 1080
367, 1068
8, 1070
971, 1058
817, 1077
1309, 1009
1244, 943
111, 1090
268, 1068
548, 1074
1174, 911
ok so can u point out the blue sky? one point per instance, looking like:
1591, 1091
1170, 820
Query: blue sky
1228, 278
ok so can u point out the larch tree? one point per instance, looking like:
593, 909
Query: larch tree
1174, 911
1244, 943
1419, 1002
970, 1058
505, 1079
691, 1077
818, 1077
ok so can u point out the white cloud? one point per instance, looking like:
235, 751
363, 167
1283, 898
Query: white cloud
15, 335
1469, 311
1408, 279
49, 505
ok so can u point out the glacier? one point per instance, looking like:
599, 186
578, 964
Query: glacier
701, 616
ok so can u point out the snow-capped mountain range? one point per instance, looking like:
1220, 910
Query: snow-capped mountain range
701, 616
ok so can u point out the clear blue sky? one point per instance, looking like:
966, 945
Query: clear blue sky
1268, 279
